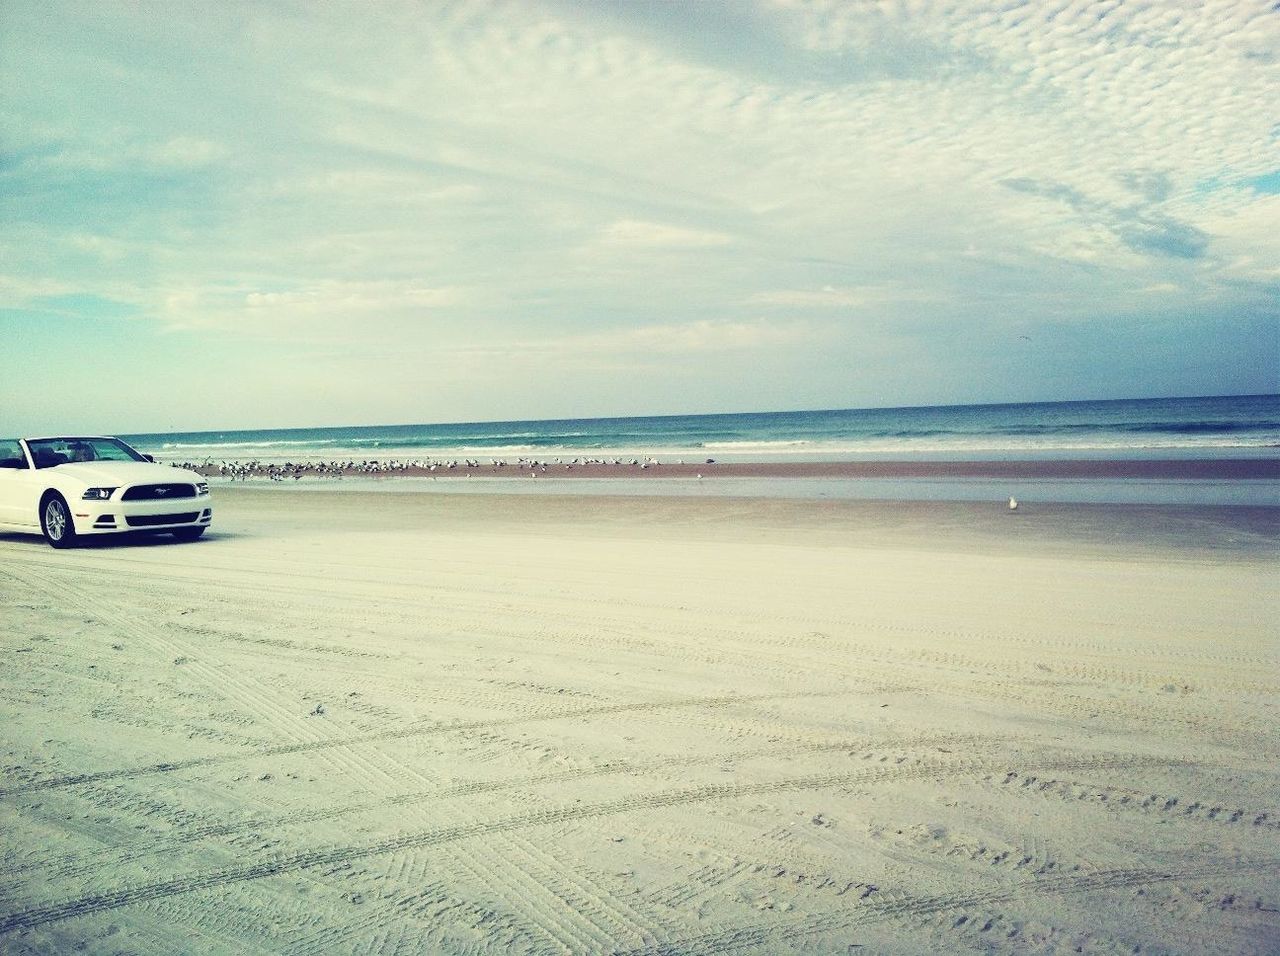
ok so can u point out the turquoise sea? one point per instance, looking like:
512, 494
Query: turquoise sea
1159, 428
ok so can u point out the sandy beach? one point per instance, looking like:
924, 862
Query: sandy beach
359, 722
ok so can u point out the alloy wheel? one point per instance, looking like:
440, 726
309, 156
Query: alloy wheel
55, 520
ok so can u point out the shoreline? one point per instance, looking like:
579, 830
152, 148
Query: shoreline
1180, 531
1215, 482
1192, 469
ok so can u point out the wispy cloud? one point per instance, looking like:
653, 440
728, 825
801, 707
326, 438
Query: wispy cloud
701, 337
632, 233
324, 312
348, 297
831, 297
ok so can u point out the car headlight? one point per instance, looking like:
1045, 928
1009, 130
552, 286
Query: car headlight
98, 494
202, 487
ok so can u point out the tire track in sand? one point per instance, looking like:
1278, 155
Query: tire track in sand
186, 832
899, 906
247, 694
999, 680
607, 910
117, 898
574, 914
569, 713
1117, 798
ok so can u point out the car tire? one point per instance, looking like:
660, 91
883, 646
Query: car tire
55, 521
187, 534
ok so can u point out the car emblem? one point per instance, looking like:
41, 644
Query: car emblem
162, 491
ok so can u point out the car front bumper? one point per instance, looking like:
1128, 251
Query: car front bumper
113, 516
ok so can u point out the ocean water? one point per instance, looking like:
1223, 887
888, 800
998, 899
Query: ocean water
1234, 426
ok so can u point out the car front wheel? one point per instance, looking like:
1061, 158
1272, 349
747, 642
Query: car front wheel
55, 522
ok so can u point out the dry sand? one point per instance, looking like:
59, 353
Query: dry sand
408, 723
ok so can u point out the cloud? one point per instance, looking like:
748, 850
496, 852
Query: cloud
357, 313
691, 338
26, 290
830, 297
1143, 228
101, 247
665, 341
344, 297
1249, 242
185, 152
653, 235
126, 155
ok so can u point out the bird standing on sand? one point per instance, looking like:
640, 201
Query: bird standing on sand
1013, 504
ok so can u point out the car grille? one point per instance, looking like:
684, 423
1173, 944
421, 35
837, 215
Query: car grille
143, 521
152, 492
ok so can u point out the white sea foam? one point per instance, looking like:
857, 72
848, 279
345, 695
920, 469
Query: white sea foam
743, 451
761, 445
282, 443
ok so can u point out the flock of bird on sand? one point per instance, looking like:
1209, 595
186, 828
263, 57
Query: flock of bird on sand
285, 471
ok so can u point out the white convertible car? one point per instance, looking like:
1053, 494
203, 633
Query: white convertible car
69, 488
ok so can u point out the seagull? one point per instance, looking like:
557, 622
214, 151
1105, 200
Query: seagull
1013, 504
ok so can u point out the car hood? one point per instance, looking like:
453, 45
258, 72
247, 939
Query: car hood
117, 473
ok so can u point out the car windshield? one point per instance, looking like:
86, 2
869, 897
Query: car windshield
48, 452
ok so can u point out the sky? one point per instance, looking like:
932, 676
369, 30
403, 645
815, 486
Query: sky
284, 214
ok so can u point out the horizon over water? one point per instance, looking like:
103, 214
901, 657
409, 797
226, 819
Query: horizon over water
1213, 426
